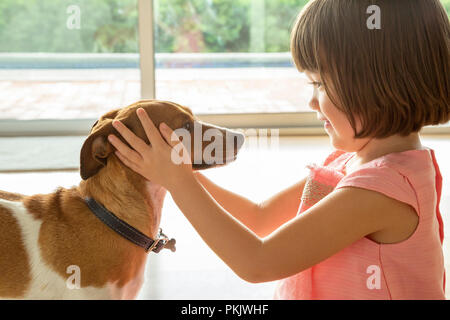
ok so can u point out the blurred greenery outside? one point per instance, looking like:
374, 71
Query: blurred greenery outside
110, 26
242, 37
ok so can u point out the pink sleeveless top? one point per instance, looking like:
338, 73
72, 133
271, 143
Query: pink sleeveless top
411, 269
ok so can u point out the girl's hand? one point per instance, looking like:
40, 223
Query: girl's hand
156, 162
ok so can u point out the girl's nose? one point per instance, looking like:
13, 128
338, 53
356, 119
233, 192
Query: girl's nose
313, 103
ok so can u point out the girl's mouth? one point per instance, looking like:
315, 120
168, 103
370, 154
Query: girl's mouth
327, 124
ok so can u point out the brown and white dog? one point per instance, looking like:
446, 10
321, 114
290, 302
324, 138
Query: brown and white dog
43, 237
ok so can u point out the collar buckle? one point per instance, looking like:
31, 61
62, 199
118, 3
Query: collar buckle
153, 245
162, 242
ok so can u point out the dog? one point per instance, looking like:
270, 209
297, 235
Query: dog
91, 241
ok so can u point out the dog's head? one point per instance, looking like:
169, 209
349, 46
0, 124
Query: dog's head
209, 145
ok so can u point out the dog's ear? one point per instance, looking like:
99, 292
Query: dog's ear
96, 150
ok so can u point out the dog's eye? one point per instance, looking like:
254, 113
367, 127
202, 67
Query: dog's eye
187, 126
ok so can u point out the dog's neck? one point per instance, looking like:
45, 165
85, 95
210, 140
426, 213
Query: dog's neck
129, 197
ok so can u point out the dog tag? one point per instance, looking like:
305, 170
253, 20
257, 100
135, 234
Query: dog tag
171, 245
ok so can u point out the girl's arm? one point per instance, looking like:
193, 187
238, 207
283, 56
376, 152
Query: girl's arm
262, 218
321, 231
330, 225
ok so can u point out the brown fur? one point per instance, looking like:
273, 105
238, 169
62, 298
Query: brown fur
101, 254
11, 196
70, 234
14, 264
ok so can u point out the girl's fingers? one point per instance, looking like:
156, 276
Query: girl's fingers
151, 131
127, 162
124, 149
169, 135
173, 140
135, 142
123, 157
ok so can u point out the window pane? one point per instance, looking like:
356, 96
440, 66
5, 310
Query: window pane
229, 56
67, 58
222, 56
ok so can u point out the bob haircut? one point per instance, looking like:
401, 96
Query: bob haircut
394, 79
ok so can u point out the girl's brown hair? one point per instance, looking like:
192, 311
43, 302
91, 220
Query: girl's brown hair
394, 79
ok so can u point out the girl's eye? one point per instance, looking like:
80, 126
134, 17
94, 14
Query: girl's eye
187, 126
316, 84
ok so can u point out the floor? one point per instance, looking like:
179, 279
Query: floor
194, 271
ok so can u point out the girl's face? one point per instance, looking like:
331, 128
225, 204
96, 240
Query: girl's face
336, 123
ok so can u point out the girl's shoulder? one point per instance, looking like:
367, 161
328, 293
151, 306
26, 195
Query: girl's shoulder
407, 163
399, 175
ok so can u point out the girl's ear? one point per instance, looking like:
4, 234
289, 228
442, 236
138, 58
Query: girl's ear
95, 151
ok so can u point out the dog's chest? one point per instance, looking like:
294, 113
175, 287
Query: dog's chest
156, 194
44, 282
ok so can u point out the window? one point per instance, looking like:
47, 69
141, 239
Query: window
63, 63
67, 59
228, 56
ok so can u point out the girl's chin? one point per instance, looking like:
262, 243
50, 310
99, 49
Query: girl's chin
345, 144
336, 141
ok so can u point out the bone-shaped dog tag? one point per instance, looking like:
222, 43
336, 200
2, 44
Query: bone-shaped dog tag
171, 245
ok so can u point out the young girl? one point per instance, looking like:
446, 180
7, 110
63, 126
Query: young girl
365, 224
